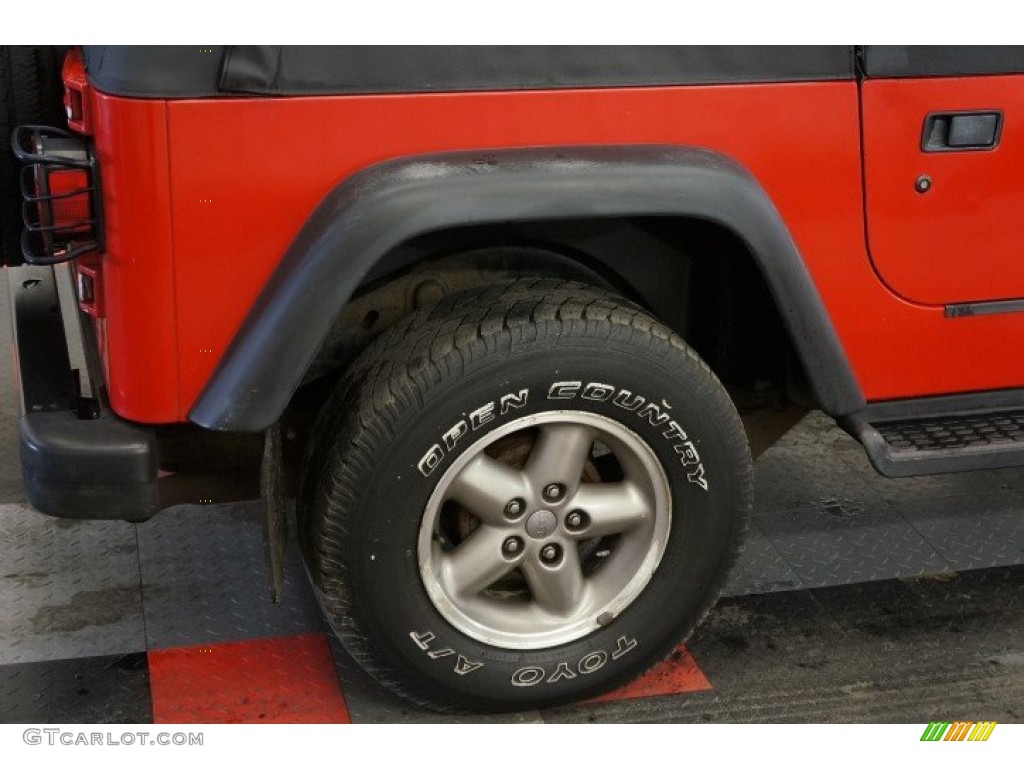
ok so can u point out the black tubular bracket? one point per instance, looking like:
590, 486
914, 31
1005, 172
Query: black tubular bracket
44, 150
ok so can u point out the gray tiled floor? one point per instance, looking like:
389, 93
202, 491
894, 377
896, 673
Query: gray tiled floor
67, 589
761, 567
204, 579
833, 520
970, 534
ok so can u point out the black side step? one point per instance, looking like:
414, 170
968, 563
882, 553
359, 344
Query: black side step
942, 435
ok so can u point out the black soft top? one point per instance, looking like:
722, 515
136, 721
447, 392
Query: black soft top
196, 72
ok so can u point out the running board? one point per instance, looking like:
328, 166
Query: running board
924, 438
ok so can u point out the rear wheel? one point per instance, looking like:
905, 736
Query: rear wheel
522, 496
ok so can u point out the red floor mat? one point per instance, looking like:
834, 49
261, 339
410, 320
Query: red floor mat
275, 680
679, 673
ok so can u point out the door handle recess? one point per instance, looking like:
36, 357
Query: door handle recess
961, 131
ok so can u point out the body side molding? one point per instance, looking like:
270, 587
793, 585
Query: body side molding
373, 211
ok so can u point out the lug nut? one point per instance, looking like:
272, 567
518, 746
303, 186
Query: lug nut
515, 508
576, 520
512, 545
553, 492
550, 553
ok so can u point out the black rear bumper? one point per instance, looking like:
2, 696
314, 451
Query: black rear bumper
86, 468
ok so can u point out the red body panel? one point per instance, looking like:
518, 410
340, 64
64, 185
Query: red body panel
138, 334
244, 174
958, 242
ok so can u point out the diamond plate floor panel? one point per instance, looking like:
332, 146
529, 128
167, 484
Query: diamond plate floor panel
760, 568
832, 520
67, 589
110, 689
868, 547
205, 581
972, 535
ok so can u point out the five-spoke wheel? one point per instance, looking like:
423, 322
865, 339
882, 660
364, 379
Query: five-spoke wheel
545, 529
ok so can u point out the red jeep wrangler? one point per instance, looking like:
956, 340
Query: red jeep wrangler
506, 323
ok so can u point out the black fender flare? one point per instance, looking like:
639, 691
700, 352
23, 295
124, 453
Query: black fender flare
380, 207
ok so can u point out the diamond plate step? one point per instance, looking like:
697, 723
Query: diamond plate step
938, 443
955, 432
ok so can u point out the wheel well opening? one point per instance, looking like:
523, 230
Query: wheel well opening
699, 278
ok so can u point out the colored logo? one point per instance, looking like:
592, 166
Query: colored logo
959, 731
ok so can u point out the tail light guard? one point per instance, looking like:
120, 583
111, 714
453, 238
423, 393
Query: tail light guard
60, 188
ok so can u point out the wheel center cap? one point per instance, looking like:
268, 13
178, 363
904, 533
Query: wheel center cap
541, 524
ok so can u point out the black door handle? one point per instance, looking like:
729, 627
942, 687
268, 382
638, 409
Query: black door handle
961, 131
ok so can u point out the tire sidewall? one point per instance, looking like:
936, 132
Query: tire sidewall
708, 479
